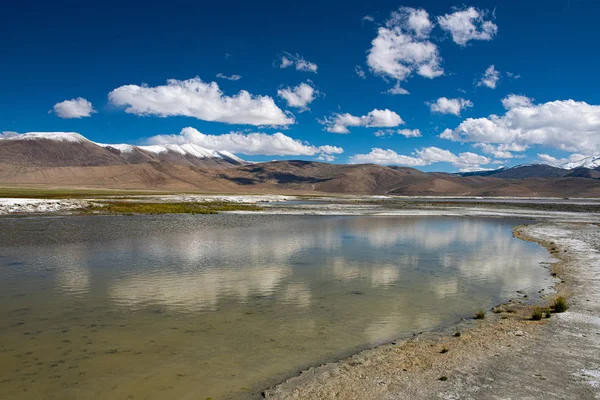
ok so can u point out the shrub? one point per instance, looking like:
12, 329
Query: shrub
480, 314
560, 305
537, 314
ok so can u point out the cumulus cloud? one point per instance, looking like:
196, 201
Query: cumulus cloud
557, 162
468, 24
514, 100
444, 105
326, 157
291, 60
569, 125
198, 99
490, 78
299, 97
502, 151
402, 48
256, 143
74, 108
339, 123
466, 161
407, 133
233, 77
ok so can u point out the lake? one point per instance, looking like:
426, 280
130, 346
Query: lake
222, 306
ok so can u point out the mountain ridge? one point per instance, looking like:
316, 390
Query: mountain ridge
56, 149
75, 162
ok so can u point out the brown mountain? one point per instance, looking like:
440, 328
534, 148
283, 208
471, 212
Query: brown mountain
74, 150
79, 163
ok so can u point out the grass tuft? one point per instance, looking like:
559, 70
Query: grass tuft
537, 314
560, 305
480, 314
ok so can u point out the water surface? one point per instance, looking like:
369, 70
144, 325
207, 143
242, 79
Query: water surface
222, 306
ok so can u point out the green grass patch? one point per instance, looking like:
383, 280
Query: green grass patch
560, 305
537, 314
128, 208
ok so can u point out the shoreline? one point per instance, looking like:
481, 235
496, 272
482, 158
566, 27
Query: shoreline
487, 358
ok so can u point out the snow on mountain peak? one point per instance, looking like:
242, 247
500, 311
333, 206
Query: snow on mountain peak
588, 162
190, 149
72, 137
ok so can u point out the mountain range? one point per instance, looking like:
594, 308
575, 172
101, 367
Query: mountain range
69, 160
586, 168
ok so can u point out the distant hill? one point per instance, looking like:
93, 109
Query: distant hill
537, 171
70, 160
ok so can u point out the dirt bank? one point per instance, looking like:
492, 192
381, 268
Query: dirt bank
505, 356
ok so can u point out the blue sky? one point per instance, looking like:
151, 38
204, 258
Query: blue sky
59, 52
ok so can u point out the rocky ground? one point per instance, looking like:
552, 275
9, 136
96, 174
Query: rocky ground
505, 356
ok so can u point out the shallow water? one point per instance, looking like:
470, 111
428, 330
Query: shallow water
222, 306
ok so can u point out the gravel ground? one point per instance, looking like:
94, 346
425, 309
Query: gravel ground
505, 356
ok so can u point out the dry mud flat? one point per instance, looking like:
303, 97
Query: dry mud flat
505, 356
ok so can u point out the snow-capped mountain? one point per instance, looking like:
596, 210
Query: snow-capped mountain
588, 162
56, 136
73, 149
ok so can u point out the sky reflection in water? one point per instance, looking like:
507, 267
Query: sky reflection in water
242, 301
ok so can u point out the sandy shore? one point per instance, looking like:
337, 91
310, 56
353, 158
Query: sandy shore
505, 356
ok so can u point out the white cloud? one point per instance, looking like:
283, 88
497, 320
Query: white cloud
503, 151
426, 156
468, 24
368, 18
490, 78
360, 72
300, 96
326, 157
233, 77
569, 125
397, 89
256, 143
198, 99
514, 101
74, 108
339, 123
415, 21
386, 157
445, 105
288, 60
401, 47
407, 133
556, 162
